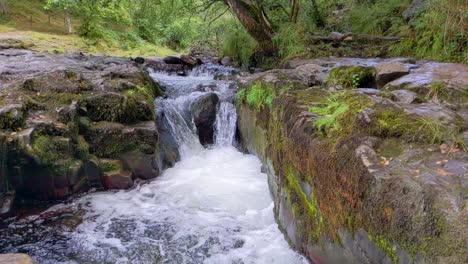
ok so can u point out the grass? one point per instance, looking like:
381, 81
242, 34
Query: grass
29, 23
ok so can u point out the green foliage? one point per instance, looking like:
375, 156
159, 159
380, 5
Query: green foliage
337, 113
258, 95
238, 44
386, 246
440, 32
437, 90
291, 40
380, 17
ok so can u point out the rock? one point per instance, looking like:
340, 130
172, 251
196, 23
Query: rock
16, 258
142, 166
348, 77
404, 96
172, 60
414, 7
66, 114
111, 140
12, 117
7, 201
159, 65
139, 60
114, 176
204, 115
188, 60
389, 71
226, 61
336, 35
91, 170
114, 107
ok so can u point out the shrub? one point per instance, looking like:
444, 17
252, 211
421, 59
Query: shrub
258, 95
238, 44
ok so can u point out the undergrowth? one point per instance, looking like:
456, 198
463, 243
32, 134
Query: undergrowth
258, 95
338, 117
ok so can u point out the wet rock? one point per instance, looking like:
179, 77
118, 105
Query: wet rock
139, 60
172, 60
389, 71
204, 115
114, 176
143, 166
188, 60
437, 113
16, 258
91, 170
226, 61
404, 96
7, 201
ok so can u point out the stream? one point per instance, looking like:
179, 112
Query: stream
213, 206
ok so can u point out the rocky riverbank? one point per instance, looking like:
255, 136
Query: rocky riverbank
366, 158
72, 122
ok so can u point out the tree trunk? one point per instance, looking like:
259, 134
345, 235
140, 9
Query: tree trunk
255, 22
4, 7
294, 10
68, 24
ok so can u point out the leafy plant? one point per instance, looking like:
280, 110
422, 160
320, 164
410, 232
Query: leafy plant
258, 95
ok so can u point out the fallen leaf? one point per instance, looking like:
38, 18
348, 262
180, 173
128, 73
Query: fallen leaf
443, 172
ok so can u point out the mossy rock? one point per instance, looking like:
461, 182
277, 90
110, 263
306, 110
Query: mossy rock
114, 107
12, 117
349, 77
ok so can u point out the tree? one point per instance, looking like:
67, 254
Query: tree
66, 6
4, 7
254, 19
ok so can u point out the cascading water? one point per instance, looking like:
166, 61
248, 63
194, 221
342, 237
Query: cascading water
225, 125
211, 207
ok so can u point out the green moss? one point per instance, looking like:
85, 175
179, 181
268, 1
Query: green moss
109, 165
303, 207
394, 122
352, 76
82, 148
386, 246
46, 149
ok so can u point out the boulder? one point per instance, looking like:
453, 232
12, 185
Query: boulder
172, 60
226, 61
404, 96
114, 176
204, 115
115, 107
143, 166
111, 140
389, 71
16, 258
139, 60
188, 60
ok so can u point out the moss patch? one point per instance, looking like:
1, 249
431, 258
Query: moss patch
352, 76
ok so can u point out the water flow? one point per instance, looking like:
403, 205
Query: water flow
225, 125
213, 206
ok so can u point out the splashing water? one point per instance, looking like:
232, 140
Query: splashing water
212, 207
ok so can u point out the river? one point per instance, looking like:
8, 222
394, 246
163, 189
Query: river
213, 206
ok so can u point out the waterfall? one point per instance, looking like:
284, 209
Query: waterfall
225, 125
183, 132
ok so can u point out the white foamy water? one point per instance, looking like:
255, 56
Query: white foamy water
213, 207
